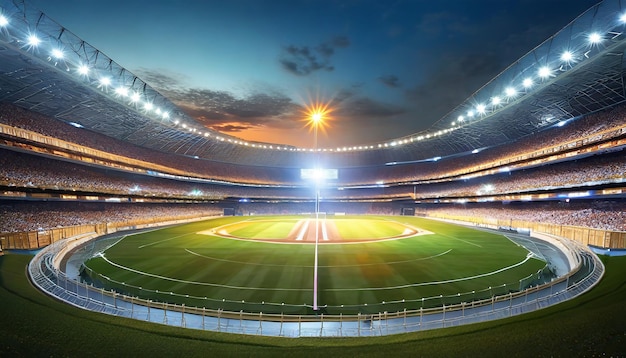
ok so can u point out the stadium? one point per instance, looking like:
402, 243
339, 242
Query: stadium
130, 225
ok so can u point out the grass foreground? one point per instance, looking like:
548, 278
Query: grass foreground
35, 325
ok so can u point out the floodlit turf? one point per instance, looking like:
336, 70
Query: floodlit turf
179, 265
355, 229
35, 325
275, 229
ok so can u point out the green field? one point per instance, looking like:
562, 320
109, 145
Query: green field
182, 265
37, 325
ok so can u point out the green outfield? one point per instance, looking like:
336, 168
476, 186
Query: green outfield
265, 264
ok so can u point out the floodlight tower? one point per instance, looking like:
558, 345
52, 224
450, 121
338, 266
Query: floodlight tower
316, 119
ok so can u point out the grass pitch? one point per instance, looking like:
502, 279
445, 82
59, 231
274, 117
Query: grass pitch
223, 263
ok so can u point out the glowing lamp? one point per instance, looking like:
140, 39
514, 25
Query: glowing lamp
595, 38
33, 40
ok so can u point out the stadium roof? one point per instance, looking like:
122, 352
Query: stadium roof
48, 69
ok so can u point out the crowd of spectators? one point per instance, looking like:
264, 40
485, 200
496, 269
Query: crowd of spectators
587, 127
22, 216
23, 170
604, 214
27, 171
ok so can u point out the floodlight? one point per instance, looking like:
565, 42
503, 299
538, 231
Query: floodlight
135, 97
3, 21
83, 70
166, 115
122, 91
528, 82
33, 40
622, 18
595, 38
460, 118
544, 72
147, 106
510, 92
495, 100
567, 56
105, 81
481, 108
58, 54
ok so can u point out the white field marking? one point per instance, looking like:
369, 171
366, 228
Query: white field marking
135, 233
456, 238
240, 262
201, 283
529, 243
168, 239
214, 230
327, 266
528, 257
302, 231
324, 231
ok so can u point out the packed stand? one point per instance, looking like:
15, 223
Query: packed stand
261, 174
23, 216
604, 215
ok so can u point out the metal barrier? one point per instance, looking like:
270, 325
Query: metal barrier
50, 279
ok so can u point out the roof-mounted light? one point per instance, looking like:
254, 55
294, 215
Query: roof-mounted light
33, 40
3, 21
595, 38
481, 108
58, 54
105, 81
83, 70
544, 72
527, 83
122, 91
510, 92
567, 56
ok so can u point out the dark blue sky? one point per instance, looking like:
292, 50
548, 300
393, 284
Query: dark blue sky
248, 67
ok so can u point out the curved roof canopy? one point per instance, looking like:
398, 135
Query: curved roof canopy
48, 69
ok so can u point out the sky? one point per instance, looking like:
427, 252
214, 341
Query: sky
251, 68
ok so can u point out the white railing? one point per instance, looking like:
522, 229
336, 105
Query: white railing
47, 277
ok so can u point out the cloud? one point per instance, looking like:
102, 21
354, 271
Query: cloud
222, 110
390, 81
303, 60
232, 127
